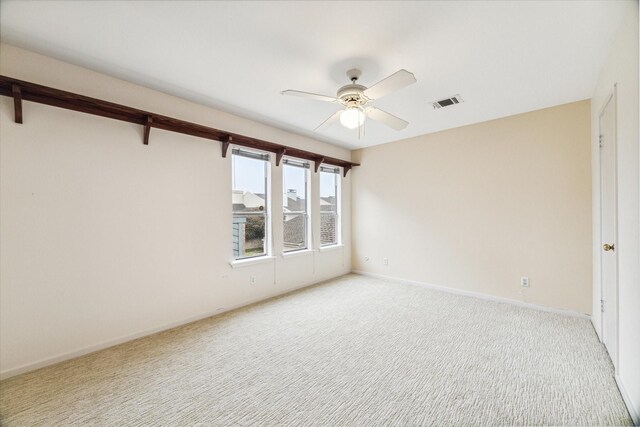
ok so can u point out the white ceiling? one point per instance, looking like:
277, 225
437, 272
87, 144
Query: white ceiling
503, 58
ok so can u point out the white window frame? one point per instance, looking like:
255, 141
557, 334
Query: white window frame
338, 193
266, 158
306, 166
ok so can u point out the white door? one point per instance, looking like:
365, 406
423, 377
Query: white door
608, 228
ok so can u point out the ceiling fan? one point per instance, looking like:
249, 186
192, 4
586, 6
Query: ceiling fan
356, 100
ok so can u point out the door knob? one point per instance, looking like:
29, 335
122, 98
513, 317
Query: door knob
608, 247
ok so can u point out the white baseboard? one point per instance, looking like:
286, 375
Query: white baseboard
633, 411
28, 367
480, 295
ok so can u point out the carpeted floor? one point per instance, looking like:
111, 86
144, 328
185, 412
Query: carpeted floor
354, 351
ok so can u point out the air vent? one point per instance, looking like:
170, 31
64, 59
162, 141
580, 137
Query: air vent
455, 99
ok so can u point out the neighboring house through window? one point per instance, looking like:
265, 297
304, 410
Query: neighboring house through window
295, 205
250, 210
329, 205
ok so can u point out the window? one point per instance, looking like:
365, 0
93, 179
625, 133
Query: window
295, 205
250, 209
329, 206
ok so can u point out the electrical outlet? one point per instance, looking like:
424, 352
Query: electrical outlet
252, 280
524, 282
385, 261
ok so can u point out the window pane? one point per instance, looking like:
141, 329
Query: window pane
249, 175
248, 235
295, 236
294, 204
328, 223
249, 207
328, 190
329, 219
294, 186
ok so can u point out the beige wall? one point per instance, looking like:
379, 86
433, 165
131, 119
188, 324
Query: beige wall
621, 68
104, 239
477, 207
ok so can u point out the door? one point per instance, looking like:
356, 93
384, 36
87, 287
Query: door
608, 228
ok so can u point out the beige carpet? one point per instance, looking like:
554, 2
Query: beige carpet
354, 351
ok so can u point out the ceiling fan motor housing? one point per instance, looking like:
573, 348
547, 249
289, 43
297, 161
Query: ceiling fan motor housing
352, 92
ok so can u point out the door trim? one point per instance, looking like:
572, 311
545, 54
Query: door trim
611, 99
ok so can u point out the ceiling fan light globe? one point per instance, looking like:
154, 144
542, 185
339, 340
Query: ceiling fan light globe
351, 118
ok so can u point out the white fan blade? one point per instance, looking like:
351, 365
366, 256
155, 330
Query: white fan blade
331, 120
309, 95
395, 81
386, 118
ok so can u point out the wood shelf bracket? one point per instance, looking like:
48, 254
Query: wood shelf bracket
147, 130
17, 102
346, 168
281, 152
226, 141
318, 162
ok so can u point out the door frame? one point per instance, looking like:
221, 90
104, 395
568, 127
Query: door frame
611, 99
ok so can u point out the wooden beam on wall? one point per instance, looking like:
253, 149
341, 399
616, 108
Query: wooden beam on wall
17, 102
71, 101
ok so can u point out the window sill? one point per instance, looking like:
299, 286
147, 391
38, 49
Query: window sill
251, 261
331, 248
294, 254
